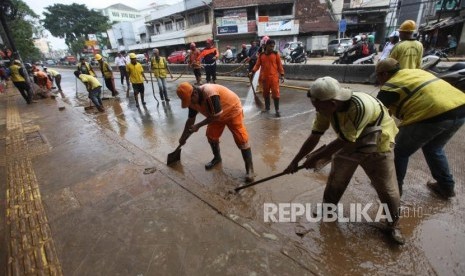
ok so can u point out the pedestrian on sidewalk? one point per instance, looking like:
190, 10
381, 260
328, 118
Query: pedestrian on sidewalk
137, 77
221, 107
208, 56
271, 71
121, 61
159, 68
18, 77
431, 111
107, 73
365, 136
252, 55
194, 63
85, 68
94, 88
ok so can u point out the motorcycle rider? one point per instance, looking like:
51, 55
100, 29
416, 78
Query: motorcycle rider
297, 52
227, 55
356, 48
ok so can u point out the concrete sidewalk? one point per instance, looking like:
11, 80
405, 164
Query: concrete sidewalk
80, 200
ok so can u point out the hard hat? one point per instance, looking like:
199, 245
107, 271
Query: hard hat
192, 45
98, 57
357, 38
17, 61
184, 92
407, 26
132, 55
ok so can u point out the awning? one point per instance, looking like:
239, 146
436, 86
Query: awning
445, 22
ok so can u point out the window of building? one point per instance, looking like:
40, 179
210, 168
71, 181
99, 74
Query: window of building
169, 26
115, 14
275, 10
132, 16
124, 15
157, 29
196, 18
179, 24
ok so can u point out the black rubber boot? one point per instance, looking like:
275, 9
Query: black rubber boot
142, 98
161, 96
247, 156
276, 107
267, 104
216, 156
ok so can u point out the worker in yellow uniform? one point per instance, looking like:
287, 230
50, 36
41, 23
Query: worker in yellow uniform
431, 111
159, 68
365, 134
18, 76
137, 77
85, 68
408, 51
107, 73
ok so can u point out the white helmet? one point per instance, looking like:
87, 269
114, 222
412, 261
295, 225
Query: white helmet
357, 38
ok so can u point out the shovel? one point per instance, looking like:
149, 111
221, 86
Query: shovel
318, 166
175, 156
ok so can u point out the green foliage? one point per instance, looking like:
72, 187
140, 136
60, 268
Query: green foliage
20, 20
77, 45
74, 21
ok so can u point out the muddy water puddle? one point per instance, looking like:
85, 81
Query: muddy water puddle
433, 228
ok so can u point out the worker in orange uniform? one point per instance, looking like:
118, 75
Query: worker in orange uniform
221, 107
270, 73
194, 63
209, 55
43, 81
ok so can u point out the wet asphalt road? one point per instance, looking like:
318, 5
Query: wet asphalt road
434, 229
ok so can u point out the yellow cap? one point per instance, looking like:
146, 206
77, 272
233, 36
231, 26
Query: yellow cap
184, 92
132, 55
408, 26
98, 57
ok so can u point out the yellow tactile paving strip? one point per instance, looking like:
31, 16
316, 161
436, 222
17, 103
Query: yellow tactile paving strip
31, 250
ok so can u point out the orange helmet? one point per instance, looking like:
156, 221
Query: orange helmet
407, 26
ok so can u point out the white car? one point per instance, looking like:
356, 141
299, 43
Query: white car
338, 46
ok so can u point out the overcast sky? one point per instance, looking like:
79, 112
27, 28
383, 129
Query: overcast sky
38, 7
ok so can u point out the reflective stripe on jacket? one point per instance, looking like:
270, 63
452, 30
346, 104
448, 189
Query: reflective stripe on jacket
421, 95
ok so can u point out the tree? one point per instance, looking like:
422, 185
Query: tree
20, 20
73, 22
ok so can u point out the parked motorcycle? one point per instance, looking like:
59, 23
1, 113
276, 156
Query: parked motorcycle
345, 59
302, 58
455, 74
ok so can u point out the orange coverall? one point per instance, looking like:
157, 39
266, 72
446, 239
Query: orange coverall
229, 114
271, 69
42, 80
